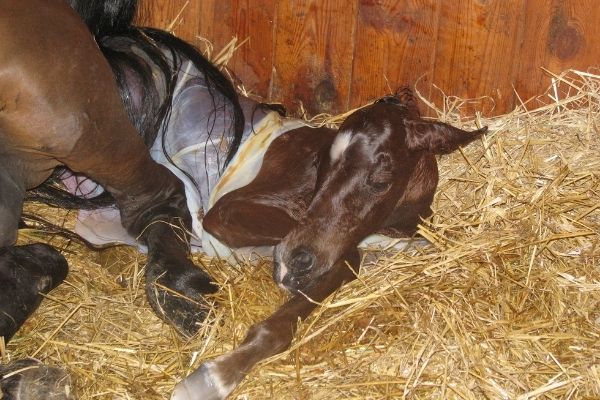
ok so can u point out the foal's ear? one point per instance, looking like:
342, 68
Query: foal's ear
437, 137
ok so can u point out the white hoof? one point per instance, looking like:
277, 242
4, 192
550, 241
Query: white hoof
202, 384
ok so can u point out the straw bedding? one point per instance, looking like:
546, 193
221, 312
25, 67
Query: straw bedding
504, 304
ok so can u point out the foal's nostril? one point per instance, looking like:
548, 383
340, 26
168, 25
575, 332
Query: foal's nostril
302, 261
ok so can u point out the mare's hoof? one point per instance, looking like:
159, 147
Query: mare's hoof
176, 294
25, 273
38, 260
29, 379
202, 384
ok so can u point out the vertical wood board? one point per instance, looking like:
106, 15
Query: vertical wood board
477, 51
558, 35
314, 43
395, 46
332, 55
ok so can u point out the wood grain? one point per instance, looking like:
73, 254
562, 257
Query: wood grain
331, 55
177, 16
395, 46
252, 22
557, 35
314, 43
477, 51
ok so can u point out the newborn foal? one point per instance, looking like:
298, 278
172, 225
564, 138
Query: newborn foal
317, 195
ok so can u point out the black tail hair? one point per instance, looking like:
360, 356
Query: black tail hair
214, 78
107, 19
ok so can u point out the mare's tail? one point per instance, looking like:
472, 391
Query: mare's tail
106, 17
147, 98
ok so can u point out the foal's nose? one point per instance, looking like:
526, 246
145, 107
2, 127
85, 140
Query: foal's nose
301, 261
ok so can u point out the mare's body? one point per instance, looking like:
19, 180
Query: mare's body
60, 105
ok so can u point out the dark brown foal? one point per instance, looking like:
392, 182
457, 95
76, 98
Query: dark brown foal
318, 194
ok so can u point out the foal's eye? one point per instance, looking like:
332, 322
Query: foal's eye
380, 179
380, 182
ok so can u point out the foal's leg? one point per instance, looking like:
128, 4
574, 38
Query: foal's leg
216, 379
239, 221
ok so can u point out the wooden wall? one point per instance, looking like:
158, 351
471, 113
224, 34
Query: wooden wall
333, 55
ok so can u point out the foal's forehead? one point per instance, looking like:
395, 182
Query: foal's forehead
369, 127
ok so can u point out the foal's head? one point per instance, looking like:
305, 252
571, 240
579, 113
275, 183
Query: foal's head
370, 167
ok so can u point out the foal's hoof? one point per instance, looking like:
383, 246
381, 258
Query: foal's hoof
176, 294
29, 379
202, 384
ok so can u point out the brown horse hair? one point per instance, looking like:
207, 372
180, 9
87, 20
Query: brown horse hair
112, 19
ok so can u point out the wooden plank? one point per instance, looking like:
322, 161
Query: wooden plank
332, 55
558, 35
314, 43
395, 46
477, 52
178, 16
251, 21
205, 17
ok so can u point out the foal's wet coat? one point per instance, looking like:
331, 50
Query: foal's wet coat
319, 192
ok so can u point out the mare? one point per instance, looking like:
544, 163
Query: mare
60, 104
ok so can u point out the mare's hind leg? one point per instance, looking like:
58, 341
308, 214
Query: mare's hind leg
29, 379
12, 190
153, 208
26, 272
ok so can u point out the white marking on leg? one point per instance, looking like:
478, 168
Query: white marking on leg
220, 386
204, 383
207, 383
339, 145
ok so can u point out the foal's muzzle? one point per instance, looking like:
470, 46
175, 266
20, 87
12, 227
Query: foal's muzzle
302, 260
293, 271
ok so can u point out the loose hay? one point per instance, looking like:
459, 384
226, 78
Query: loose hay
504, 305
